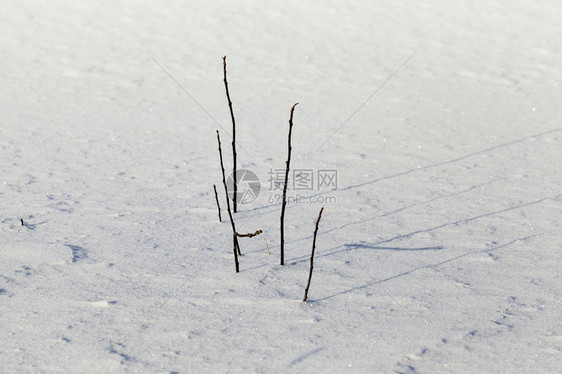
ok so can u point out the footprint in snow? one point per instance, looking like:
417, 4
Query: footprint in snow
78, 253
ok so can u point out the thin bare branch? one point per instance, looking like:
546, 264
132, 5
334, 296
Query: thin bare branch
285, 187
236, 246
218, 205
312, 255
235, 181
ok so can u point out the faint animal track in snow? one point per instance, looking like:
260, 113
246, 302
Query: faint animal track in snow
493, 256
78, 253
405, 369
64, 203
63, 206
111, 349
509, 327
25, 270
404, 364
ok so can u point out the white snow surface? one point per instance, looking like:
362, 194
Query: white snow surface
439, 252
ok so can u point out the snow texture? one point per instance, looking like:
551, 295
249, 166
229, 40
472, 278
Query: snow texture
438, 252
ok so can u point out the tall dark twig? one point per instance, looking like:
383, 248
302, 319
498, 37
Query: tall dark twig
236, 247
285, 188
218, 205
235, 181
312, 255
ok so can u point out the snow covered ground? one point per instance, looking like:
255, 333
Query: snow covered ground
439, 252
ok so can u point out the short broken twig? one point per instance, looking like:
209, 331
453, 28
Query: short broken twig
218, 205
250, 235
266, 245
312, 255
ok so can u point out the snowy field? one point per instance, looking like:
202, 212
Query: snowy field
439, 251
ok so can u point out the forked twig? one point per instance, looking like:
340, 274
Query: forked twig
236, 246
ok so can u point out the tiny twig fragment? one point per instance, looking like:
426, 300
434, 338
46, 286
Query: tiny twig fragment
267, 245
250, 235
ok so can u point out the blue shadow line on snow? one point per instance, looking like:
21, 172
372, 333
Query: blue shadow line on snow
303, 357
371, 246
378, 245
33, 226
427, 266
346, 247
431, 166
